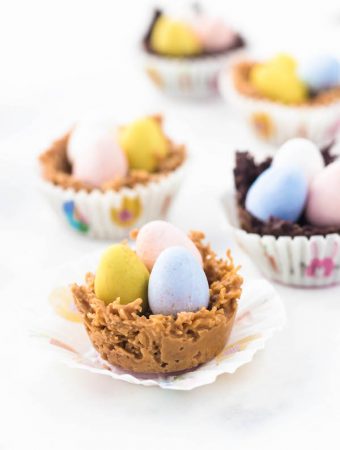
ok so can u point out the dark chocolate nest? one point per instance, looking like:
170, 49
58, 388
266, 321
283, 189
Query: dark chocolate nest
238, 42
245, 172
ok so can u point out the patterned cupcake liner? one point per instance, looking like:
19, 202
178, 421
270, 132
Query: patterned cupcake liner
110, 214
275, 123
296, 261
195, 78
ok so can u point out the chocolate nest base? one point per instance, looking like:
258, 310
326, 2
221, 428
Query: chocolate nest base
57, 169
245, 173
238, 43
163, 344
240, 76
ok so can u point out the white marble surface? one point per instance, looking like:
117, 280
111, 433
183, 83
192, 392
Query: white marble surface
288, 396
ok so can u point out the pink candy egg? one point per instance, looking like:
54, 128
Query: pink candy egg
156, 236
213, 33
323, 205
100, 159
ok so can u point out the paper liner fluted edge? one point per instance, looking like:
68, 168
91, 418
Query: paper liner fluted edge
183, 77
260, 314
296, 261
113, 214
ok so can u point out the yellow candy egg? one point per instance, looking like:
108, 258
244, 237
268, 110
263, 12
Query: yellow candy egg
283, 60
174, 38
144, 143
277, 80
121, 274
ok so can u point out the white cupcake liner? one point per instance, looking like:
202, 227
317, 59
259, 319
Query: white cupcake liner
112, 215
185, 77
275, 123
56, 324
296, 261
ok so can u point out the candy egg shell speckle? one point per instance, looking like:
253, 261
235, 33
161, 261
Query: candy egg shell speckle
320, 73
100, 159
156, 236
121, 274
278, 192
323, 206
177, 283
302, 154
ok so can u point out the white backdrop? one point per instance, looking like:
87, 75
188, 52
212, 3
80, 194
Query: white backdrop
61, 60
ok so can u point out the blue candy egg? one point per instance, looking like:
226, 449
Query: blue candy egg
278, 192
177, 283
320, 73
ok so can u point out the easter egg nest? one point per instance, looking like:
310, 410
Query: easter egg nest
151, 343
57, 169
245, 173
238, 43
240, 76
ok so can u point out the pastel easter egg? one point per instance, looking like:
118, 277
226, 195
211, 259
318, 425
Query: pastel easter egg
278, 192
100, 160
121, 274
85, 134
174, 38
323, 205
319, 73
144, 143
177, 283
277, 80
158, 235
213, 33
302, 154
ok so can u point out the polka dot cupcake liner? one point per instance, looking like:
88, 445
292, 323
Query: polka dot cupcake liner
112, 215
296, 261
275, 123
195, 78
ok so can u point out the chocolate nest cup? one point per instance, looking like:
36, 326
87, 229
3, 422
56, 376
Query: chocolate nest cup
164, 344
245, 173
238, 43
240, 75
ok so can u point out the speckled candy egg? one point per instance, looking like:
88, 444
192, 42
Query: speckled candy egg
96, 157
323, 206
177, 283
144, 143
320, 73
156, 236
121, 274
278, 192
302, 154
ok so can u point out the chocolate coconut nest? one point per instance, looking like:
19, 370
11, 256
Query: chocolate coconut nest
57, 169
237, 44
164, 344
240, 76
245, 173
